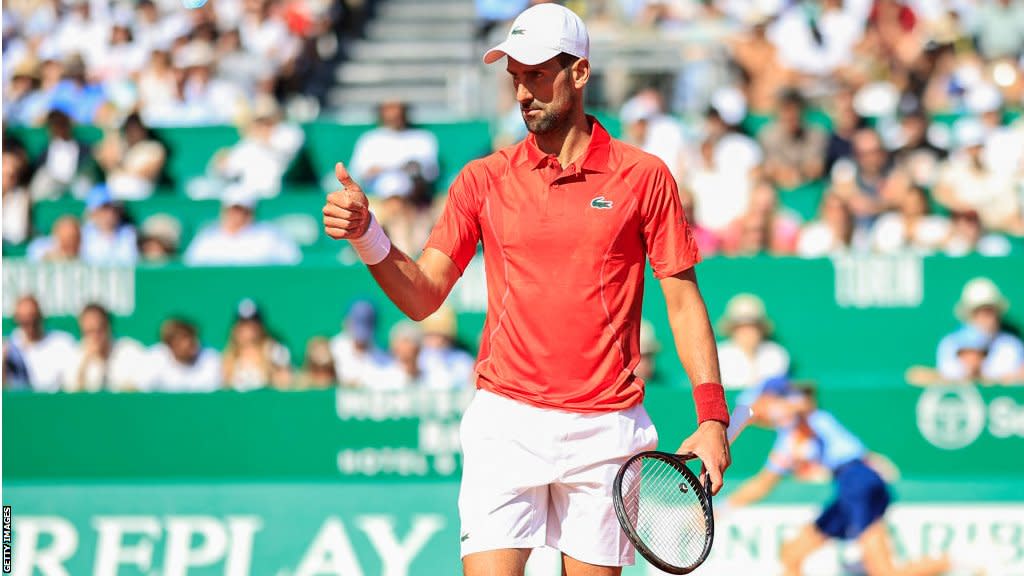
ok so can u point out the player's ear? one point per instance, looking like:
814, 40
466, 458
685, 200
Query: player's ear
580, 73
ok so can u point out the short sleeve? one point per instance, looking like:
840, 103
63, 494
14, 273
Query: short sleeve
671, 246
457, 231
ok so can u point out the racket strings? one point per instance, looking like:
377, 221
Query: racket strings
664, 506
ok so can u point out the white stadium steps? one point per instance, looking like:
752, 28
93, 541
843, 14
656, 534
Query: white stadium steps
415, 51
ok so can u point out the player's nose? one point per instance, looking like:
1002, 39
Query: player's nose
523, 96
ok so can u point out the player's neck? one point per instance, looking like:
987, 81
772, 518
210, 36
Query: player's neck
569, 143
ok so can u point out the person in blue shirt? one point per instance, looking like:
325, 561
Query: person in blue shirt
812, 443
982, 307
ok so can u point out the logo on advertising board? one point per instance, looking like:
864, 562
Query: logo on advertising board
951, 418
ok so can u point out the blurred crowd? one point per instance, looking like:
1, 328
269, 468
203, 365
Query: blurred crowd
983, 348
425, 354
100, 60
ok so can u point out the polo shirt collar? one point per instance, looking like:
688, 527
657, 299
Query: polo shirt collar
595, 159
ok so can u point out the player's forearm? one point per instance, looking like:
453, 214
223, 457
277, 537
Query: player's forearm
691, 328
417, 288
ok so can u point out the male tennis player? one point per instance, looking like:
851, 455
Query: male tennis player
567, 218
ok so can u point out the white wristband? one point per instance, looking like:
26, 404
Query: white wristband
374, 245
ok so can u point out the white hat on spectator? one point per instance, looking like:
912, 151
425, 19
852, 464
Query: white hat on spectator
393, 184
744, 309
163, 228
977, 293
406, 330
969, 133
540, 33
237, 196
877, 99
984, 98
730, 104
639, 107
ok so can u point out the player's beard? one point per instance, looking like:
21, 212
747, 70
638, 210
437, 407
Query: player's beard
548, 121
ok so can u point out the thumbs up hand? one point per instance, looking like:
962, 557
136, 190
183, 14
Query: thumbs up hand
347, 212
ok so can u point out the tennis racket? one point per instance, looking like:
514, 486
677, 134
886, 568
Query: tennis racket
665, 509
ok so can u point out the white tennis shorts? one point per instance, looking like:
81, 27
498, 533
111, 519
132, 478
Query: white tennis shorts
533, 477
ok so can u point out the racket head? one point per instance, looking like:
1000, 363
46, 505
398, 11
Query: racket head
674, 499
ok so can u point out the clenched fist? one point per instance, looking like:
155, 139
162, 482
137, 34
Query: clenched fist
347, 212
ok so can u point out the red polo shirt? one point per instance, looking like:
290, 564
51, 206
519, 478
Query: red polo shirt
564, 252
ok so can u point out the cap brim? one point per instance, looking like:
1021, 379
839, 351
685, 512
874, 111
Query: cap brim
522, 53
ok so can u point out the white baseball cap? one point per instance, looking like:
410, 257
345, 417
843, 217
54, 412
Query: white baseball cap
540, 33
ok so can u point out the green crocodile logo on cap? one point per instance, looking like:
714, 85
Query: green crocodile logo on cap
518, 32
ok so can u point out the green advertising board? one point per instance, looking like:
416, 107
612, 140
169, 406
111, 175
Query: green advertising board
354, 435
357, 483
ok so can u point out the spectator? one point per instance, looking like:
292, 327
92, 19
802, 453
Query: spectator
1000, 28
859, 180
64, 244
966, 236
747, 357
122, 57
107, 238
79, 95
131, 159
101, 362
913, 228
646, 126
407, 222
160, 238
158, 87
239, 241
252, 359
446, 366
967, 183
831, 234
255, 164
46, 353
793, 150
24, 103
205, 98
846, 122
64, 162
356, 355
982, 308
406, 342
318, 369
916, 155
265, 34
179, 363
646, 369
394, 145
17, 202
819, 41
765, 228
732, 150
759, 60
